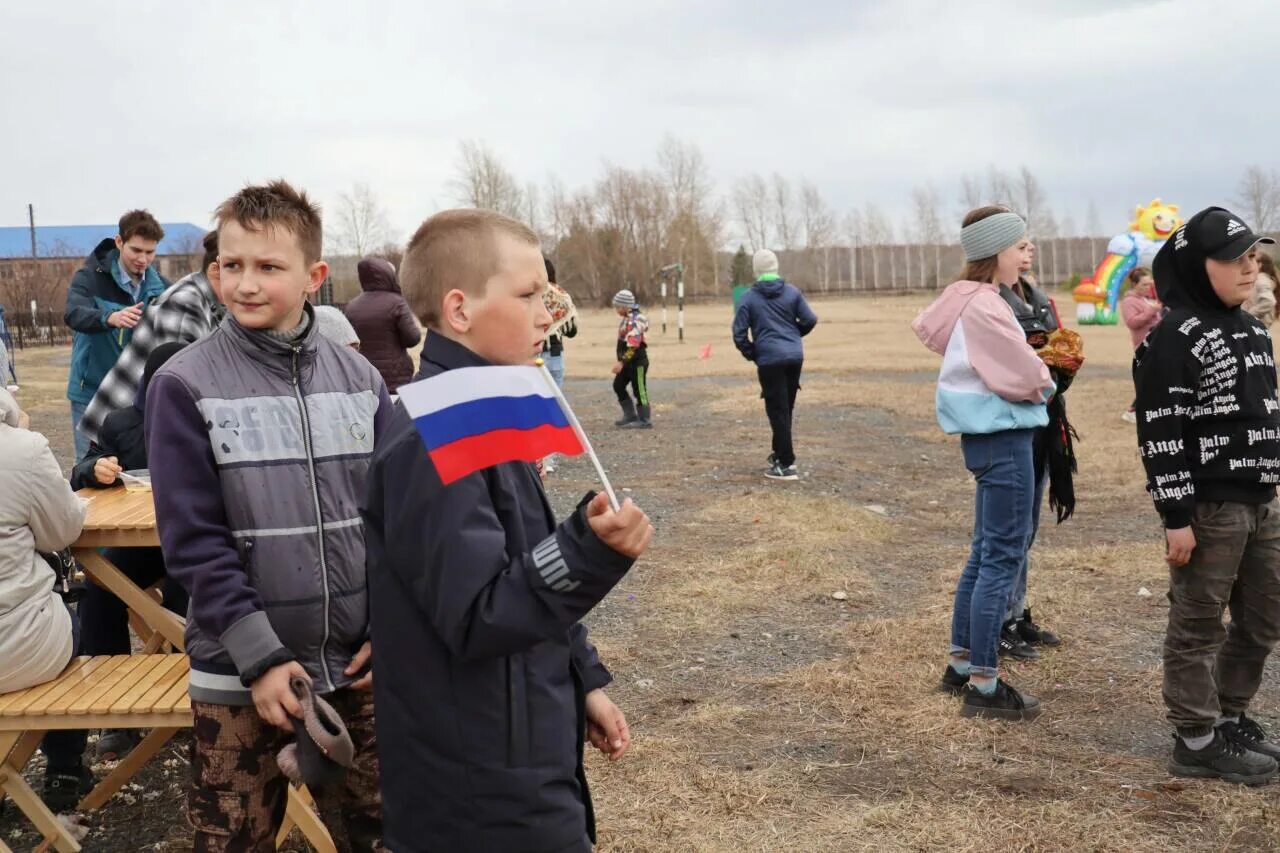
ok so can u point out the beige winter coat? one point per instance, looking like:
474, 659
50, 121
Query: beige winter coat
38, 511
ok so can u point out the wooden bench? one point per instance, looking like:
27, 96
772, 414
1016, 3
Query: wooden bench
146, 691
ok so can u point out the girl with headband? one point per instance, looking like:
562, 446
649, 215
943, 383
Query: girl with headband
992, 391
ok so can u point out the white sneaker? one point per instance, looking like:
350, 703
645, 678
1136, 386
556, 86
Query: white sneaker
1129, 418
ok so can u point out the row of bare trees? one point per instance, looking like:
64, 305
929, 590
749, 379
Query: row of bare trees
631, 222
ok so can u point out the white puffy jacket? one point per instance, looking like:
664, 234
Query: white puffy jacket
38, 512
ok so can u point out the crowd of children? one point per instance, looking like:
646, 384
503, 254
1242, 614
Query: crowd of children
307, 536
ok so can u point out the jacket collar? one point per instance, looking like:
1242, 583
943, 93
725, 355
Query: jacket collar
448, 354
276, 354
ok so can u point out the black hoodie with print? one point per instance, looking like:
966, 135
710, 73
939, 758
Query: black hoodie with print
1208, 418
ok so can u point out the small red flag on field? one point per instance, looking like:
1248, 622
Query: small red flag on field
705, 352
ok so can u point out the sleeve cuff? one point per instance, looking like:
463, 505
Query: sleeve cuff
1176, 519
596, 677
254, 646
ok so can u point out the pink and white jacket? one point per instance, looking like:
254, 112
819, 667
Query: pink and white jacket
991, 379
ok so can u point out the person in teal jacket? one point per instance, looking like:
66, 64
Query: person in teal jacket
105, 301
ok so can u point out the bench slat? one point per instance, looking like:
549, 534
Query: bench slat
142, 678
175, 699
78, 701
38, 690
170, 673
39, 700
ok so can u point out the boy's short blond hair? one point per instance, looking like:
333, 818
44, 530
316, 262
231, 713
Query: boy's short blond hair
454, 249
276, 205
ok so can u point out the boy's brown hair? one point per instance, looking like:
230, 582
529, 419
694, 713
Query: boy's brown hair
454, 249
140, 223
276, 205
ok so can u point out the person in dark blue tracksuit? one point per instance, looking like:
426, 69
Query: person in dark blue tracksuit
770, 321
485, 684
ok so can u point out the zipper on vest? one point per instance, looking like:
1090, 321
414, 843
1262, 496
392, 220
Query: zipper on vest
315, 497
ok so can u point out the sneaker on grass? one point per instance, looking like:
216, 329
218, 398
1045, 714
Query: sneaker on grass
1222, 759
1006, 703
1248, 734
777, 472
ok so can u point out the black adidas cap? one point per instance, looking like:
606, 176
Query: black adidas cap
1221, 235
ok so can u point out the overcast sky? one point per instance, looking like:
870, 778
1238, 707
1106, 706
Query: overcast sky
173, 105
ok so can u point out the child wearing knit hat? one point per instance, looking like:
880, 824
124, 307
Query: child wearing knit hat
992, 391
633, 363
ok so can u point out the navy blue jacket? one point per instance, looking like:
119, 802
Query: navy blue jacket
92, 296
777, 317
480, 664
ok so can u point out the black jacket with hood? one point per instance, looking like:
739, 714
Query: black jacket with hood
482, 667
384, 322
1208, 418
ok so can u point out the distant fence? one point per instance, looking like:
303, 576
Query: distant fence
42, 329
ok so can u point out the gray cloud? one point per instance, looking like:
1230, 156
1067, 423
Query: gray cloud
173, 106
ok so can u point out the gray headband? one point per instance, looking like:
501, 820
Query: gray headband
989, 237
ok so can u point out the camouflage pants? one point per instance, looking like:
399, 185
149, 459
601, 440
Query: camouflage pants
237, 800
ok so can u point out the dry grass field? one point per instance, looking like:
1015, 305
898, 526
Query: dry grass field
769, 715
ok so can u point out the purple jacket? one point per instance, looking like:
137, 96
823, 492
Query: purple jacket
384, 322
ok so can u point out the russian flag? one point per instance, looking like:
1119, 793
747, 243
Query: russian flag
476, 417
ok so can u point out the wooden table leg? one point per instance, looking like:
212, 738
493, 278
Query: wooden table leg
23, 749
299, 812
105, 575
128, 766
16, 788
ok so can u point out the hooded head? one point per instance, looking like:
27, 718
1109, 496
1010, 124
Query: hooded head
377, 274
155, 361
1182, 279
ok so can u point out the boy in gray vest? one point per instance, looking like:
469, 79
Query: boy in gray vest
259, 437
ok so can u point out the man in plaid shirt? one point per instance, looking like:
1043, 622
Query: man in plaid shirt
184, 313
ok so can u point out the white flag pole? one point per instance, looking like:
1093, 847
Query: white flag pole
577, 428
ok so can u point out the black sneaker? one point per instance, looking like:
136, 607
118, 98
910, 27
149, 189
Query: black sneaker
1251, 736
1006, 703
952, 682
777, 472
1223, 759
1033, 635
1013, 646
63, 790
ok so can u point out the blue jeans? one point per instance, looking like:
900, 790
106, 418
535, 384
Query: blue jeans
555, 366
82, 440
1001, 464
1018, 596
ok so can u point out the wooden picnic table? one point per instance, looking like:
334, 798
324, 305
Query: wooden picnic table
125, 519
123, 691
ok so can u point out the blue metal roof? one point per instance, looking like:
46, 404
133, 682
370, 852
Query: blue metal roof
77, 241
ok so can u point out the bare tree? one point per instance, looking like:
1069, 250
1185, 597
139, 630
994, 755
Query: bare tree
483, 181
878, 233
854, 228
1093, 225
783, 211
362, 223
1027, 198
929, 228
751, 202
970, 193
1258, 198
819, 229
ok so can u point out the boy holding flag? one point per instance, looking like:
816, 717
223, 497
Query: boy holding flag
486, 682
